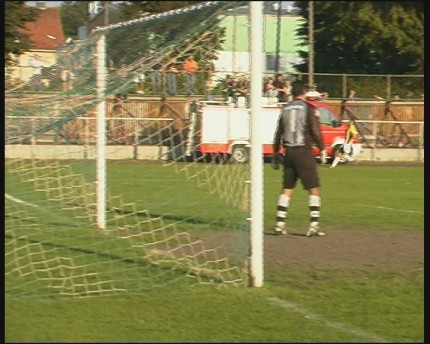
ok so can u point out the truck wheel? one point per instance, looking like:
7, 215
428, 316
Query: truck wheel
336, 150
240, 154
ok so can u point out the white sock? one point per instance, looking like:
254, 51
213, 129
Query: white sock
314, 210
282, 210
335, 161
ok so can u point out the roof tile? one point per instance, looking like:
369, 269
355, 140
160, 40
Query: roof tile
46, 32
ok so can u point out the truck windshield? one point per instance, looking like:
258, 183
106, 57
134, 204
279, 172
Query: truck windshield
327, 117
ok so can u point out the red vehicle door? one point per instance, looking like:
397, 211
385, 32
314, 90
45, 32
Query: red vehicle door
332, 128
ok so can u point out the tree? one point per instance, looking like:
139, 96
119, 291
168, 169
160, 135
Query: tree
136, 9
74, 14
365, 37
17, 39
168, 31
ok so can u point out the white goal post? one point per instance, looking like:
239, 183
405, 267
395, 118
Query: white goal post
101, 131
257, 181
80, 219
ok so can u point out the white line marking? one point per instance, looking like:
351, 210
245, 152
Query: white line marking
396, 209
335, 325
17, 200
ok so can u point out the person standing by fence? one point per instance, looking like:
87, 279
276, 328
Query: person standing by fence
269, 90
190, 69
352, 95
156, 79
279, 83
116, 128
171, 73
228, 90
287, 91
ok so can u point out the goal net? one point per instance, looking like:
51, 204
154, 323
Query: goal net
174, 215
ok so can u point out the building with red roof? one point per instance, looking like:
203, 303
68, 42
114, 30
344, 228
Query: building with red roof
47, 32
46, 35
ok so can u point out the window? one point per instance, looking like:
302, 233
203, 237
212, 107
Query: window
327, 117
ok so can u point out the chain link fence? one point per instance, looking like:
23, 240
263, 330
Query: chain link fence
211, 82
368, 86
381, 124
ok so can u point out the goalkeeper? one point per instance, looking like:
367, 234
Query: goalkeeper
297, 130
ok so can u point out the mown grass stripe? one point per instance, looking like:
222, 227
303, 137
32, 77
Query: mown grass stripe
333, 324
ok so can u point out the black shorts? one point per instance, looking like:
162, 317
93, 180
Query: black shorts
299, 163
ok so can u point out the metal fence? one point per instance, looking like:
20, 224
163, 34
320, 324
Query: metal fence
169, 131
338, 86
142, 120
367, 86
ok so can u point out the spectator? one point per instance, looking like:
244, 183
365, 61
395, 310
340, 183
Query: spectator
396, 96
228, 89
209, 84
269, 90
164, 107
279, 83
116, 128
66, 63
313, 94
352, 95
241, 89
36, 82
117, 108
287, 90
156, 79
139, 80
67, 78
110, 64
171, 73
190, 69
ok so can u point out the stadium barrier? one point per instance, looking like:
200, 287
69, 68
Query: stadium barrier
143, 138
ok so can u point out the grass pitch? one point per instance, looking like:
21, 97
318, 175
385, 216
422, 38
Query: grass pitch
324, 305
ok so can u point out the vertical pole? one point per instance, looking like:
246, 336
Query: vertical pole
421, 143
375, 135
234, 42
388, 88
87, 136
344, 86
311, 44
278, 37
256, 237
106, 13
101, 132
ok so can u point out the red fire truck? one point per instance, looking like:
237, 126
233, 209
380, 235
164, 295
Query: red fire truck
224, 129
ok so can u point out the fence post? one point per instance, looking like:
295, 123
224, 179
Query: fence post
421, 142
136, 137
374, 133
344, 86
33, 128
388, 90
85, 138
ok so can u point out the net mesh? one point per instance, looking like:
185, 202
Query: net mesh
173, 214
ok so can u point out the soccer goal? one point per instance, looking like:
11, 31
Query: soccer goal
102, 197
